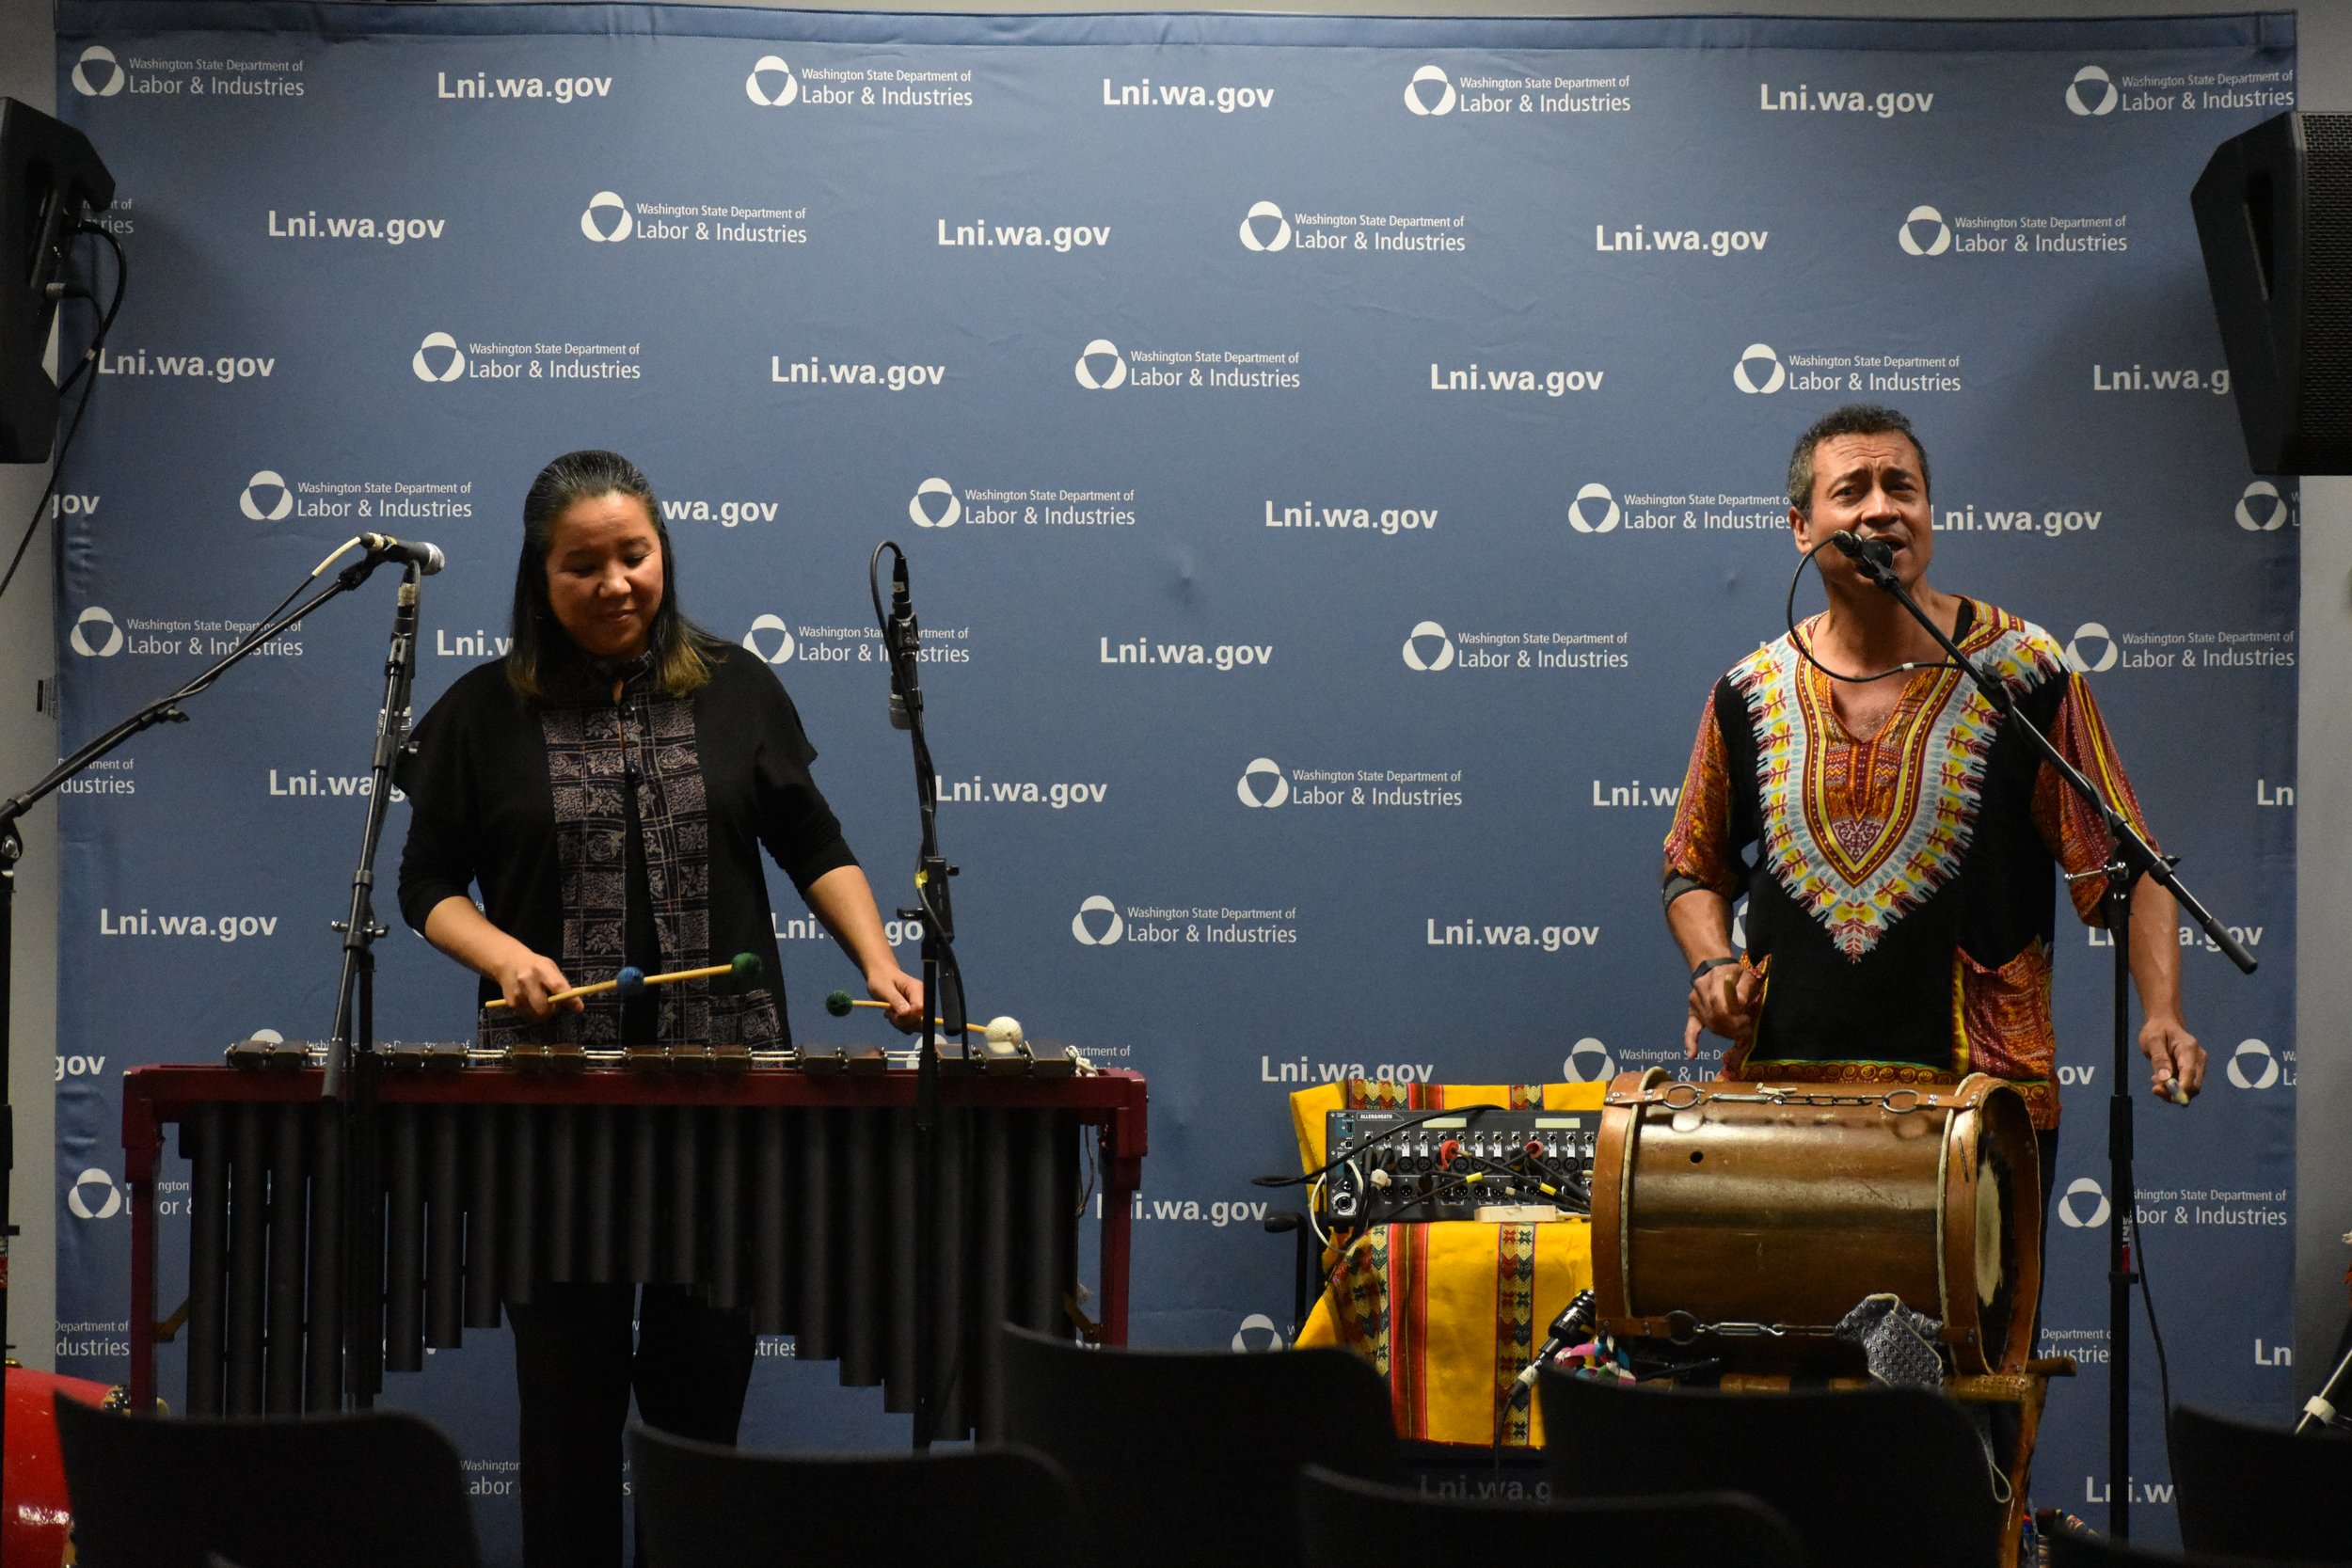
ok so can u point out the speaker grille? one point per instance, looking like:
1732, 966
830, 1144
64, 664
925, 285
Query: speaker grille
2323, 418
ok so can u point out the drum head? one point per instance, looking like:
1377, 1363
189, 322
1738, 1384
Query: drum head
2007, 1227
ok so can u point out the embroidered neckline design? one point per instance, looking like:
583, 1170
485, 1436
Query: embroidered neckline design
596, 750
1859, 877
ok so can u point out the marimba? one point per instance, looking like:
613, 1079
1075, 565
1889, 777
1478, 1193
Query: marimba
787, 1191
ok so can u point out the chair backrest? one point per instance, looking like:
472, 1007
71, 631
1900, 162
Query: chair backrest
2262, 1491
1864, 1479
2075, 1548
378, 1490
700, 1505
1188, 1457
1345, 1523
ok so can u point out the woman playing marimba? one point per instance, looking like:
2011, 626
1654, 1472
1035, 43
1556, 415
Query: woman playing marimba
609, 785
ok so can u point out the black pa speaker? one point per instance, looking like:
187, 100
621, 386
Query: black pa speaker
49, 174
2274, 213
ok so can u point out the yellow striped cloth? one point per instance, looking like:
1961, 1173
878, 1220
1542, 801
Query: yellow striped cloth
1448, 1311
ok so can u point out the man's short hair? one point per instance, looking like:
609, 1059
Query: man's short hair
1855, 419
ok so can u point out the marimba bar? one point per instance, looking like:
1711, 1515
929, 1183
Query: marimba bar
789, 1193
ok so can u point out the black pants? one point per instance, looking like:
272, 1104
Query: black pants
576, 1362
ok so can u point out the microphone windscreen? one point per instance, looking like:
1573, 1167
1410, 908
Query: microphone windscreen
1877, 551
839, 1004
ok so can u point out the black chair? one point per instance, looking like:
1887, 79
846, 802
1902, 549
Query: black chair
2260, 1491
1864, 1479
1185, 1458
2081, 1549
1343, 1523
379, 1490
702, 1505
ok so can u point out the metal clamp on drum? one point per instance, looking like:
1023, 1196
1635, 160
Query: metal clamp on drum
1719, 1206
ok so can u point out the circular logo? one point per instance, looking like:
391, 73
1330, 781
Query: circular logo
2261, 509
1259, 1324
2091, 649
94, 1196
601, 201
1085, 932
2253, 1066
2102, 100
1607, 516
772, 63
2072, 1214
1114, 377
1265, 767
109, 635
1278, 240
1588, 1062
921, 513
109, 78
1439, 659
1761, 355
1414, 99
434, 343
1932, 239
250, 505
783, 638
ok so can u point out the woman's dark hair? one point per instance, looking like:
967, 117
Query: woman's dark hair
682, 651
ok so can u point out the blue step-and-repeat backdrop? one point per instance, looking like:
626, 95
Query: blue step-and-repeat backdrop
1335, 457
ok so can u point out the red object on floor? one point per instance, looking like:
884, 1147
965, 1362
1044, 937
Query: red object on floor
36, 1517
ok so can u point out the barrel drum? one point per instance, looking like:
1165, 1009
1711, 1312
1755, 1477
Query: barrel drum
1751, 1218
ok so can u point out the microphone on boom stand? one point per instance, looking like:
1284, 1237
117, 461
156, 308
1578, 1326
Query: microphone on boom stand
426, 559
901, 640
1871, 552
2131, 856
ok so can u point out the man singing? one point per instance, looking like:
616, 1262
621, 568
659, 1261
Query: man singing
1902, 903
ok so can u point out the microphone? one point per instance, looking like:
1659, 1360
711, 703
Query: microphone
1574, 1319
903, 641
901, 603
1876, 552
427, 559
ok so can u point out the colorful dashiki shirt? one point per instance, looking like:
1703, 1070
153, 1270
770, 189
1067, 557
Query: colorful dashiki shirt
1902, 903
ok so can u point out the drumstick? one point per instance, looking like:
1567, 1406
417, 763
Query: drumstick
632, 982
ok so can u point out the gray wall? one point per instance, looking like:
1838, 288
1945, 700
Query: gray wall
2324, 1159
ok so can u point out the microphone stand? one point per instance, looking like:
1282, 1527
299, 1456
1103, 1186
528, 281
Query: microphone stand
354, 1104
2129, 857
901, 642
162, 710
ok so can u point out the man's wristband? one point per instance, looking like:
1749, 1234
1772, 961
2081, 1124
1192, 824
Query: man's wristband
1708, 964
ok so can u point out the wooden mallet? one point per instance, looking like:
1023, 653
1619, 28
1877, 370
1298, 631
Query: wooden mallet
1002, 1033
632, 982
